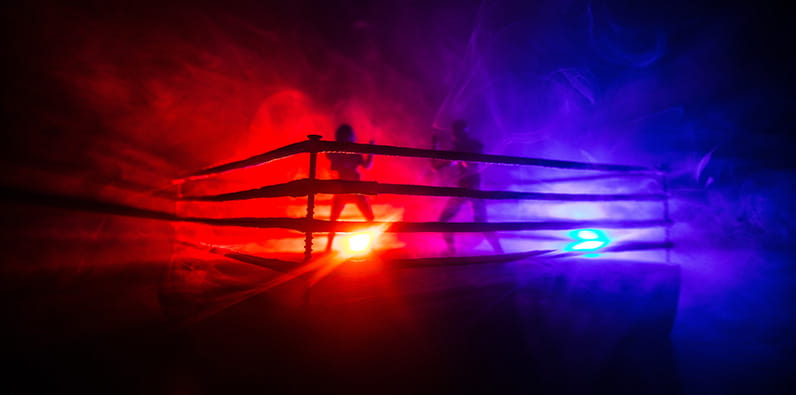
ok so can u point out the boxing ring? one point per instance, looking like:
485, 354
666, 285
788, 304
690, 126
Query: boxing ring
311, 186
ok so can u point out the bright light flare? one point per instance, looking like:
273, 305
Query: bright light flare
358, 243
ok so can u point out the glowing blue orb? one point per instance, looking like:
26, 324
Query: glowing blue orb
587, 234
590, 245
587, 240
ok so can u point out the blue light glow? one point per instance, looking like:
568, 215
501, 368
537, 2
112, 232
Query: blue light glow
590, 245
587, 234
587, 240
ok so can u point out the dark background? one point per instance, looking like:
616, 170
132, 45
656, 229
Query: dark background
112, 101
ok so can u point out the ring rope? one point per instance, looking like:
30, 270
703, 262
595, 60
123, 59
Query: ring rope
304, 187
388, 150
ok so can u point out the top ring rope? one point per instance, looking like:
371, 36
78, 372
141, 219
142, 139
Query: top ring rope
279, 153
388, 150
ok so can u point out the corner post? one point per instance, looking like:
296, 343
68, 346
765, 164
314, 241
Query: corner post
666, 216
314, 139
